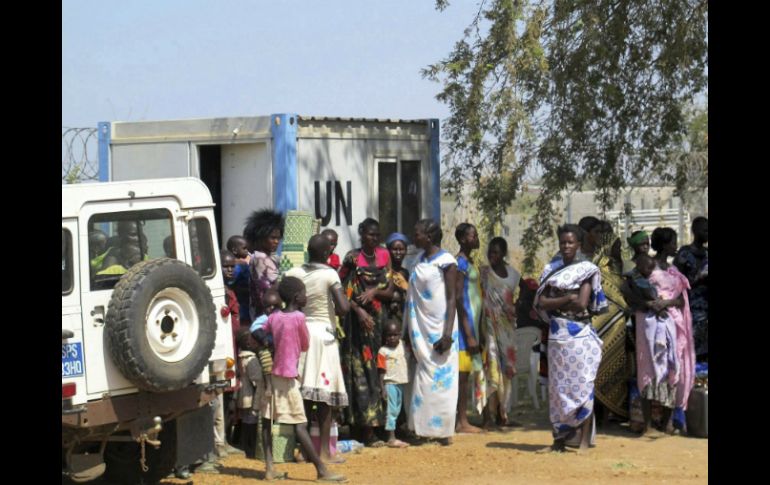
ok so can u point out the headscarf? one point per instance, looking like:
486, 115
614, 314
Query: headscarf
638, 239
396, 236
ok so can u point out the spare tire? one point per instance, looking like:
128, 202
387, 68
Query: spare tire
161, 325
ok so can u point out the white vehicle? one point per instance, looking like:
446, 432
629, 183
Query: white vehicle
145, 347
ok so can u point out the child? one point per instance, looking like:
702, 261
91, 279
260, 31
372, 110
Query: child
232, 309
391, 364
638, 278
334, 260
290, 335
236, 245
252, 394
641, 288
271, 302
229, 413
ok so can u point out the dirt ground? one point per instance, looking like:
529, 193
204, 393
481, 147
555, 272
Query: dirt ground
501, 457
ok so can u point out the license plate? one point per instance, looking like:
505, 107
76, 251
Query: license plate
72, 359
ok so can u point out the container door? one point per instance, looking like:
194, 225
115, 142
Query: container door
399, 188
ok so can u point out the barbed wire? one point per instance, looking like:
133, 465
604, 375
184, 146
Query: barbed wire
80, 160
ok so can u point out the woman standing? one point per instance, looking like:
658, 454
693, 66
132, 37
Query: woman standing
469, 308
263, 233
321, 379
693, 261
672, 287
365, 276
569, 293
592, 237
611, 387
432, 326
639, 241
396, 244
499, 283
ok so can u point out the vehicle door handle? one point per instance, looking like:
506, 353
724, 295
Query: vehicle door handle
98, 314
66, 333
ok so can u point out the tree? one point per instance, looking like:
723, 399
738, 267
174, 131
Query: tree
575, 90
691, 162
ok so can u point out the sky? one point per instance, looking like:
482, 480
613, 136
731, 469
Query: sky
181, 59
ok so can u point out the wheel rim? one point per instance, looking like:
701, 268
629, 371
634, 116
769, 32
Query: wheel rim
172, 324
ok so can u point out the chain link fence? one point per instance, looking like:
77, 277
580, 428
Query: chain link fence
80, 160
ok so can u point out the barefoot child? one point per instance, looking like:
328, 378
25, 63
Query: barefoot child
252, 392
391, 364
290, 337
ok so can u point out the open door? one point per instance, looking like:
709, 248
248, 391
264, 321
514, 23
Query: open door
399, 194
210, 157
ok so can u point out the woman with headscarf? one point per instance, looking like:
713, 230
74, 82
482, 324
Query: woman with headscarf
570, 293
397, 244
639, 241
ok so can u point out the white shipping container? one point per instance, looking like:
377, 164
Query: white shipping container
342, 170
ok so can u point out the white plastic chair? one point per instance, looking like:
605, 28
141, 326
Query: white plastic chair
526, 363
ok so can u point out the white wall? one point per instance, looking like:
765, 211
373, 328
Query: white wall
351, 160
247, 175
340, 161
145, 161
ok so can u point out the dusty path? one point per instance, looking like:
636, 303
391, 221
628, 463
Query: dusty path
502, 457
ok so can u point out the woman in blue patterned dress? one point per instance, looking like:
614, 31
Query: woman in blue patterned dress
432, 331
570, 292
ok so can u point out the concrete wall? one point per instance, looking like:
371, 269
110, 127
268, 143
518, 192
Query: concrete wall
571, 208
